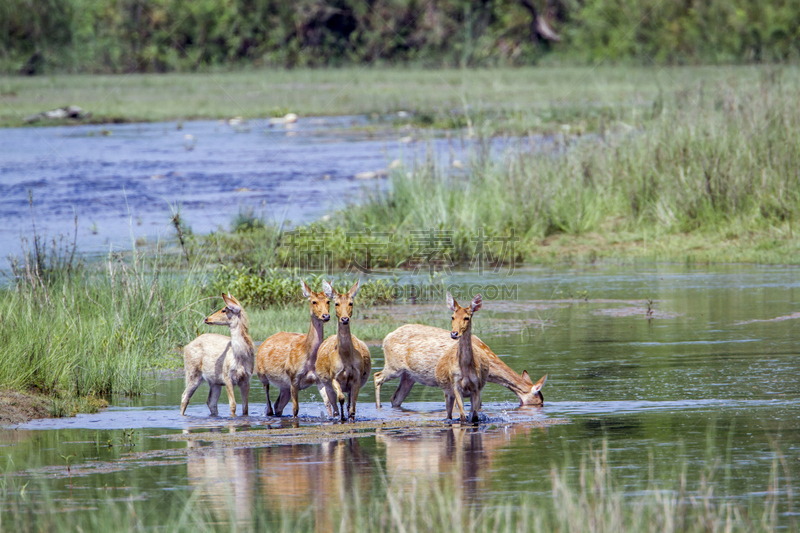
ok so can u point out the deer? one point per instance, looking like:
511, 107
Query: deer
411, 352
463, 369
343, 360
288, 360
220, 360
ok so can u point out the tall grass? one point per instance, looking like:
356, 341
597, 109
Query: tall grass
585, 498
92, 331
722, 158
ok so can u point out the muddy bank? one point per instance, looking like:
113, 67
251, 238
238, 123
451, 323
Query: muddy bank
18, 407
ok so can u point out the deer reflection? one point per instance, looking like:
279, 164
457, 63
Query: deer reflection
331, 479
321, 477
223, 476
460, 457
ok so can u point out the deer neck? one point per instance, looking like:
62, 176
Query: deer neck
501, 374
313, 341
344, 341
241, 343
466, 357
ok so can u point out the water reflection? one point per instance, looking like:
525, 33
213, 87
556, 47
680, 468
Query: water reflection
222, 476
323, 479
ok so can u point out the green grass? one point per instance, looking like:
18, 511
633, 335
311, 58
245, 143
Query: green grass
502, 99
93, 330
714, 164
588, 497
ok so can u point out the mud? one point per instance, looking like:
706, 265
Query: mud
18, 407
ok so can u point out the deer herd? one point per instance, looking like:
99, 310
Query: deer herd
457, 361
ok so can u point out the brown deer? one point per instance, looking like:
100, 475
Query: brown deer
220, 360
463, 369
288, 360
343, 360
411, 352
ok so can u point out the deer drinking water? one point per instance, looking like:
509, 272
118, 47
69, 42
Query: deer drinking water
220, 360
288, 360
411, 352
343, 360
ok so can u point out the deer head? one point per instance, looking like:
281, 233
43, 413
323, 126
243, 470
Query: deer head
318, 301
228, 315
343, 303
461, 315
534, 395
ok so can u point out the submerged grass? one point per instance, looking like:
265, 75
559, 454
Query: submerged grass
589, 497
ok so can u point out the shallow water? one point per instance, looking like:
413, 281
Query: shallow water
709, 378
125, 181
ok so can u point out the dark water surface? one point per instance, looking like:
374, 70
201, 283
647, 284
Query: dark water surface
707, 385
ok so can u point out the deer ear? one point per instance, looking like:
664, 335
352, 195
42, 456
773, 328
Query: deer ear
232, 303
327, 289
451, 302
539, 384
354, 289
476, 304
526, 377
306, 290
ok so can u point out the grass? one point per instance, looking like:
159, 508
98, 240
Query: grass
589, 497
720, 164
72, 333
503, 99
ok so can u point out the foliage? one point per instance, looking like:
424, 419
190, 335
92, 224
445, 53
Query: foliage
274, 287
166, 35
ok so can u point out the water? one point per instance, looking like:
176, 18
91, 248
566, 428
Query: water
709, 379
124, 182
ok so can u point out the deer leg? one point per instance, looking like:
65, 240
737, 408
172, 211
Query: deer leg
339, 395
213, 398
402, 390
460, 404
327, 397
352, 397
281, 401
448, 404
244, 387
379, 379
268, 409
475, 403
191, 386
295, 390
231, 397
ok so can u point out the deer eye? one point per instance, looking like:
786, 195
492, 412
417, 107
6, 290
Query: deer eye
337, 304
313, 303
466, 319
453, 317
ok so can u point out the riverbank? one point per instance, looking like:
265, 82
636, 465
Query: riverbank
517, 100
